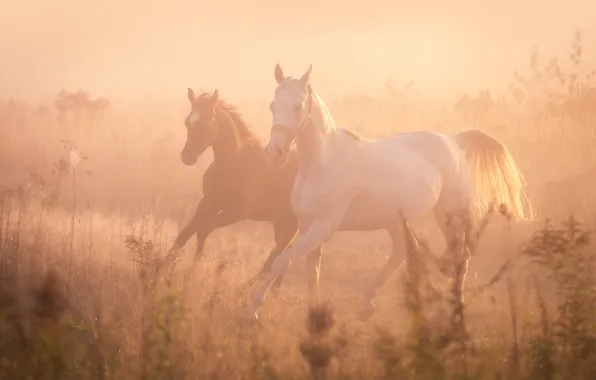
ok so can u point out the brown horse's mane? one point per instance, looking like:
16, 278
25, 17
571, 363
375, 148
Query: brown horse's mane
244, 130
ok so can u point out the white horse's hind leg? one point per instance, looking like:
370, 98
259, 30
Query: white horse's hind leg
318, 232
395, 260
424, 200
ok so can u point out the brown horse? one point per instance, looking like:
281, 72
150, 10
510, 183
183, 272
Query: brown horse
242, 183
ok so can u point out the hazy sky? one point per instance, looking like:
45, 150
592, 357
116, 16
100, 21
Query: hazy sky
128, 47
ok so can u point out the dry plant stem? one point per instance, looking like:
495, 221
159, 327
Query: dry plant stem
18, 232
121, 221
414, 266
91, 250
514, 352
460, 255
111, 243
545, 326
39, 225
2, 196
317, 373
72, 228
514, 365
316, 349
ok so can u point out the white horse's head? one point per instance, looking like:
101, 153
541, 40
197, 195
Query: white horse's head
289, 110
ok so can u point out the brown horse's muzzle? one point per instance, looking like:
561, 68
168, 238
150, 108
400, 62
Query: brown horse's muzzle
187, 159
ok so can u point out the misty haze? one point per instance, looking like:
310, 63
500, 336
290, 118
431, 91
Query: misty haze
427, 168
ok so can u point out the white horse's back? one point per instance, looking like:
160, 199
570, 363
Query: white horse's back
407, 172
410, 153
438, 149
475, 168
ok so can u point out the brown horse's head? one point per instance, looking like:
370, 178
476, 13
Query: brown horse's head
201, 126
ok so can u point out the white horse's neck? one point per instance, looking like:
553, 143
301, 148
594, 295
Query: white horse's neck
310, 143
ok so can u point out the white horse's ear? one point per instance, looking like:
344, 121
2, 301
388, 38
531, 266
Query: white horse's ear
306, 77
279, 74
191, 95
309, 104
214, 98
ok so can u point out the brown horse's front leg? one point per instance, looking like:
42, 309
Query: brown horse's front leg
201, 235
266, 268
226, 217
201, 224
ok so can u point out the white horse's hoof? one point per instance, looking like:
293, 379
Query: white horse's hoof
274, 291
249, 316
252, 317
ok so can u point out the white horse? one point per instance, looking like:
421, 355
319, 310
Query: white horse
345, 182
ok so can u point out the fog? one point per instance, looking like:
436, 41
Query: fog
125, 48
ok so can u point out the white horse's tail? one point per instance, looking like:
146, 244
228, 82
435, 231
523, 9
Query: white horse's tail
497, 180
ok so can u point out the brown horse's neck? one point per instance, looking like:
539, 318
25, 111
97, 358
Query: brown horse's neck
228, 142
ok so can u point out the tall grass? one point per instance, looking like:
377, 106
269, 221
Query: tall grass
84, 293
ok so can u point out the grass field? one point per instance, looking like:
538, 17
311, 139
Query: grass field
85, 210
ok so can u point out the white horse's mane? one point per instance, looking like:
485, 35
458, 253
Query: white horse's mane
323, 124
323, 115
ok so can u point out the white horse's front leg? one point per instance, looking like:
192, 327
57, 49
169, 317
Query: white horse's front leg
318, 232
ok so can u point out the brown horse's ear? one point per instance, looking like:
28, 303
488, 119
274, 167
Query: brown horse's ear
214, 98
279, 74
191, 95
